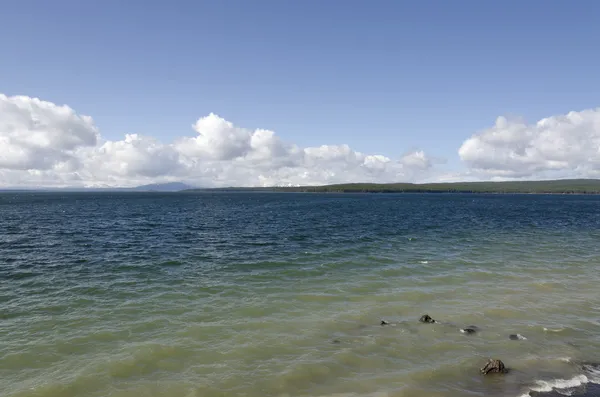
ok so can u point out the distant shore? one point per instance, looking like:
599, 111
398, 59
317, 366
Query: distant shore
560, 186
565, 186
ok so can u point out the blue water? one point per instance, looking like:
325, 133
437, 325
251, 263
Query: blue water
269, 294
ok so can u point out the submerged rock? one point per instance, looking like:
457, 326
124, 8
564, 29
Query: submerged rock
494, 367
469, 330
383, 322
425, 318
336, 341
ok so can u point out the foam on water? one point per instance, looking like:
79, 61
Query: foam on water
517, 337
567, 387
562, 386
553, 329
593, 372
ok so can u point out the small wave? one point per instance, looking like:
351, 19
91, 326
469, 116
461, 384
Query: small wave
553, 329
563, 386
593, 372
424, 262
517, 337
567, 387
374, 394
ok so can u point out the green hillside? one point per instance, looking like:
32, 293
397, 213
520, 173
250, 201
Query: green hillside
565, 186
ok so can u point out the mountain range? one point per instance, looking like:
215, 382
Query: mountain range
154, 187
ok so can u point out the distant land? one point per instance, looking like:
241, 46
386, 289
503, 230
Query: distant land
561, 186
154, 187
164, 187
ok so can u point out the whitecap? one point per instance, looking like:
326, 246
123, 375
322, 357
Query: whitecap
553, 329
424, 262
593, 372
517, 337
560, 385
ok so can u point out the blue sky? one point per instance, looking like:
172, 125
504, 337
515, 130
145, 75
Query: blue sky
384, 77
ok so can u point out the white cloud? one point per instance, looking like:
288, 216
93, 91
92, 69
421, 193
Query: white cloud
36, 134
42, 144
417, 160
558, 146
217, 139
135, 156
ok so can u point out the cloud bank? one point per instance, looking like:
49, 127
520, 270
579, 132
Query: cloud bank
558, 146
44, 144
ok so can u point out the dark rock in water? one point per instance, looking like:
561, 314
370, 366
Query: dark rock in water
425, 318
383, 322
494, 367
516, 337
336, 341
468, 330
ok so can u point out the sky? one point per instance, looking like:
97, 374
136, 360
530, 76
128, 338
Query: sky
265, 92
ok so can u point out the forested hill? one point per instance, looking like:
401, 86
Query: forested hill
563, 186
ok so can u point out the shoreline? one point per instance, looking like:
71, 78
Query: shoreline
235, 190
282, 191
556, 186
565, 186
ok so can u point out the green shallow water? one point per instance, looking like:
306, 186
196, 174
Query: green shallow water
282, 294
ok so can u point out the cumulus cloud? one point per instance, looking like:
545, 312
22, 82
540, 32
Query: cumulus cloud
416, 160
36, 134
43, 144
217, 139
566, 145
134, 156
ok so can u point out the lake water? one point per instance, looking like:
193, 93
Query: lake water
259, 295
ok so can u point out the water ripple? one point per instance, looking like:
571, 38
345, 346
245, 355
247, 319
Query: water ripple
282, 294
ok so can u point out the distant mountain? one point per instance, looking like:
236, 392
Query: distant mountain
154, 187
163, 187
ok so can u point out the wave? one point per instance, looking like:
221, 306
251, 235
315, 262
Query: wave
553, 329
517, 337
586, 384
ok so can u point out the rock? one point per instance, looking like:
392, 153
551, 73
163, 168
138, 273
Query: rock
336, 341
426, 319
516, 337
468, 330
494, 367
383, 322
